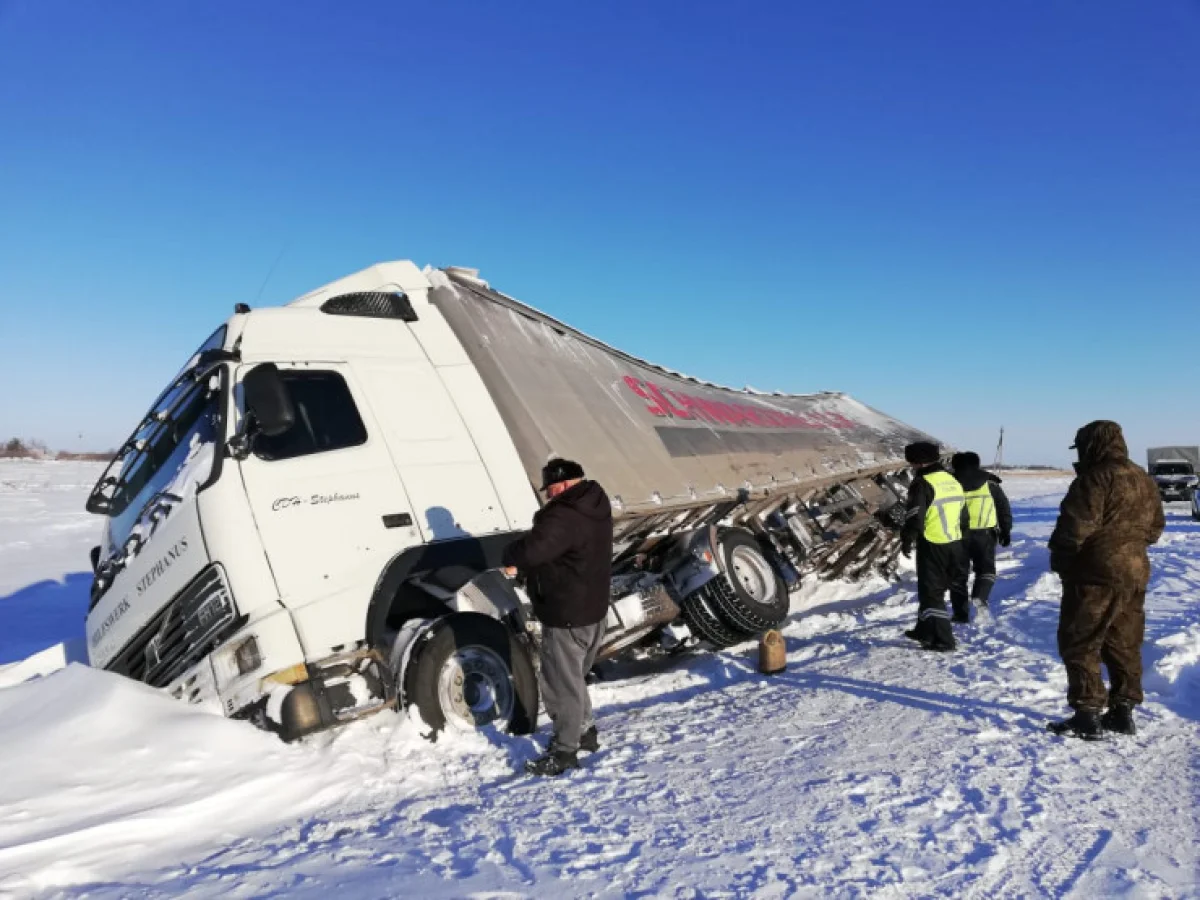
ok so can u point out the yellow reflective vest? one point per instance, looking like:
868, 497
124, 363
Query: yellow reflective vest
943, 519
981, 508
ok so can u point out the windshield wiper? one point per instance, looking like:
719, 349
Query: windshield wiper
102, 499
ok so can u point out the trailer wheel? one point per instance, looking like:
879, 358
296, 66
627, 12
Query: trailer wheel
469, 672
756, 599
702, 619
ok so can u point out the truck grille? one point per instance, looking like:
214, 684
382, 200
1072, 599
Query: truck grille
182, 633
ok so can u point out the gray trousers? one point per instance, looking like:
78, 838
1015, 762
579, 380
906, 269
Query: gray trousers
567, 654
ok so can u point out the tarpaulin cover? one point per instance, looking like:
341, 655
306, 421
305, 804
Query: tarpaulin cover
653, 438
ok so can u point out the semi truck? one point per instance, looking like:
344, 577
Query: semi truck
1174, 471
308, 524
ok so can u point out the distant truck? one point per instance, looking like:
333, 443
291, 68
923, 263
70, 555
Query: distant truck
306, 527
1174, 471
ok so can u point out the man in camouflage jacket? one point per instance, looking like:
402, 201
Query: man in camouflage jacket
1110, 516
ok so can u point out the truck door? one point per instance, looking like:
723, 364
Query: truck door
325, 496
441, 468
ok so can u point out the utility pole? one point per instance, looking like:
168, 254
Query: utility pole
998, 462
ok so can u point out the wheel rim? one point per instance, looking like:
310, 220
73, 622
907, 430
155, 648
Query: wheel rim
753, 573
475, 689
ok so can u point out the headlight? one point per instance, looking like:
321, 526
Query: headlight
247, 656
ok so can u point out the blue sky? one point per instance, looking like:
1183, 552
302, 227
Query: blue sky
966, 215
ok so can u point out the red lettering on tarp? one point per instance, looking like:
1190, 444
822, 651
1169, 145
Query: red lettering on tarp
636, 387
696, 406
834, 420
734, 412
713, 409
748, 414
669, 403
666, 404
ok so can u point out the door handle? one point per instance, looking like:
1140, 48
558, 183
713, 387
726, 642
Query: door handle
397, 520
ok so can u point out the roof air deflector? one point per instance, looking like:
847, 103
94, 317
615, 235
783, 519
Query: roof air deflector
372, 305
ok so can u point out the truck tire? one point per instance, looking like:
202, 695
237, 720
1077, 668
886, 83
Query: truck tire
702, 620
471, 671
755, 598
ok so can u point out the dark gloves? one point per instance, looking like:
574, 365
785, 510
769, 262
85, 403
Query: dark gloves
1005, 539
906, 548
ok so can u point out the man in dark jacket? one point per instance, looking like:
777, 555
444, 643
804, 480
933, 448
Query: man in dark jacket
933, 524
1110, 516
567, 561
989, 520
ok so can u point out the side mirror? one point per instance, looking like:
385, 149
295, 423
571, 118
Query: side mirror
267, 398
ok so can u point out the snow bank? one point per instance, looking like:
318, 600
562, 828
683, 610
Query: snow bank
1181, 659
44, 662
114, 776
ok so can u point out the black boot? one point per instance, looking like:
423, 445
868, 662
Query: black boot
589, 740
960, 618
1084, 724
983, 592
1119, 719
553, 763
929, 641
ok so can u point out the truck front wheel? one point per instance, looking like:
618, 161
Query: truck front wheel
469, 671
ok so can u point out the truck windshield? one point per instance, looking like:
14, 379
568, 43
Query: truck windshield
177, 459
1173, 468
171, 450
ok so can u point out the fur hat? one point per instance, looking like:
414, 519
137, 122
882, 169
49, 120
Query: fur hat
922, 453
964, 462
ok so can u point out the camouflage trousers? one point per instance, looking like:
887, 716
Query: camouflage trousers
1102, 623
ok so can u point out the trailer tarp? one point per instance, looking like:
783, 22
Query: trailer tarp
653, 438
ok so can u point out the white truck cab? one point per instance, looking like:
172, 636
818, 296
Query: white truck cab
281, 541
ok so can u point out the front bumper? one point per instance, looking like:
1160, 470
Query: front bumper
268, 645
334, 691
1175, 492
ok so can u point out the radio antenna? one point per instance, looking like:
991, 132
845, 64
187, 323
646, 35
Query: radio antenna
271, 271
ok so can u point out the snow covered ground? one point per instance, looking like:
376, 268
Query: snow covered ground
868, 769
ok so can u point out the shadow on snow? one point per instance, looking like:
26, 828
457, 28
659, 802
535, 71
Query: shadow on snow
43, 614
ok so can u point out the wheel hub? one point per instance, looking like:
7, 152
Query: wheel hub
475, 689
753, 573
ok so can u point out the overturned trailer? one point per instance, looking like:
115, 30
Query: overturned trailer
816, 480
307, 524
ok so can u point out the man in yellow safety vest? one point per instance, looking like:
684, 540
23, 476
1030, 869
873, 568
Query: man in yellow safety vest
934, 524
989, 522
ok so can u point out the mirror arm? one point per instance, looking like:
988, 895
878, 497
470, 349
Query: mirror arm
240, 445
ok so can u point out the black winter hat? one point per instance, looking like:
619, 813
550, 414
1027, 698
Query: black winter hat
964, 462
560, 470
922, 453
